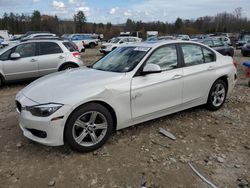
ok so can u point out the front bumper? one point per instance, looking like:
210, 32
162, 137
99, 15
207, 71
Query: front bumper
43, 130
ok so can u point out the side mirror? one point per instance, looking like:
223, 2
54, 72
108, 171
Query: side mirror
15, 56
151, 68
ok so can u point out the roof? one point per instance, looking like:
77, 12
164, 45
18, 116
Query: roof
155, 44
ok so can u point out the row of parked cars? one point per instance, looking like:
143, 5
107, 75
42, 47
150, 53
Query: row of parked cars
37, 54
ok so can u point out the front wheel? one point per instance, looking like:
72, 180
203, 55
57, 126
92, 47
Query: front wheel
217, 95
89, 127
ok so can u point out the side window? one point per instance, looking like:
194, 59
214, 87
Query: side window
208, 55
208, 43
218, 42
26, 50
5, 55
47, 48
192, 54
165, 57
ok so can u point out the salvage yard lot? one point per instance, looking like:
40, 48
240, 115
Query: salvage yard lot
216, 143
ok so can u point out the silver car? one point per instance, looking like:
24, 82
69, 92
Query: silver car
36, 58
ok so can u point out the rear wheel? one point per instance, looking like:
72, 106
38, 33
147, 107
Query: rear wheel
217, 95
68, 66
92, 45
89, 127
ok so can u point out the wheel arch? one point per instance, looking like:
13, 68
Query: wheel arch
223, 78
66, 63
105, 104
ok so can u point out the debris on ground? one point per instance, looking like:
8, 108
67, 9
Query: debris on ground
167, 134
202, 177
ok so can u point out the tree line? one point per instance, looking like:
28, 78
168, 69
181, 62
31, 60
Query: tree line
223, 22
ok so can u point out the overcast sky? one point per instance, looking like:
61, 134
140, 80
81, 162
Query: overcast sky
117, 11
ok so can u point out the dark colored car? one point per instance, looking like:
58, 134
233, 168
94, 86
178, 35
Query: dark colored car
219, 46
245, 50
242, 40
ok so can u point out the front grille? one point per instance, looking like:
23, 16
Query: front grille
18, 106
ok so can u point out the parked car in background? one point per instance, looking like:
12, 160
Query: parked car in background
224, 39
38, 35
83, 40
219, 46
36, 58
116, 42
132, 84
182, 37
245, 50
242, 40
167, 37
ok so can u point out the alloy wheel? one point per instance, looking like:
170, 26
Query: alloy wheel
90, 128
218, 95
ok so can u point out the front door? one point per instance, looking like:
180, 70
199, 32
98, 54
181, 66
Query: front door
24, 67
159, 91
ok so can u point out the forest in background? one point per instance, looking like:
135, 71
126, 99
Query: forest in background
222, 22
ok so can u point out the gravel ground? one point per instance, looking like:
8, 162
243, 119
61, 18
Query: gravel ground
217, 144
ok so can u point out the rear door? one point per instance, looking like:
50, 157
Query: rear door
50, 57
24, 67
199, 72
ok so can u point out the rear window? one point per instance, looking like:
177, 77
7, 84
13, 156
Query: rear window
49, 48
71, 47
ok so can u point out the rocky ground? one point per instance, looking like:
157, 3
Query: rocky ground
217, 144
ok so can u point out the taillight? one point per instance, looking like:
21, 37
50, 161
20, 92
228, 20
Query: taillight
76, 54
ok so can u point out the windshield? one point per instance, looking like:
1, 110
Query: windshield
115, 40
123, 59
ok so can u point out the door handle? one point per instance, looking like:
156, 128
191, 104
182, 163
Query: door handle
33, 60
210, 68
60, 57
177, 76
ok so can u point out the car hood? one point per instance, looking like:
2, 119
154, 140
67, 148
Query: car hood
63, 87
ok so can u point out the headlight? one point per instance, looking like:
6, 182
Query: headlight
44, 110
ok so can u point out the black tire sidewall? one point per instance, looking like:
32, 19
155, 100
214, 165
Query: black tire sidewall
81, 110
210, 105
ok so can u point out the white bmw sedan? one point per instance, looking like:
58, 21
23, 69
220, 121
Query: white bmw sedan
132, 84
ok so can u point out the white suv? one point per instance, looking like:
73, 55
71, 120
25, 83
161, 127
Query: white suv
116, 42
83, 40
36, 58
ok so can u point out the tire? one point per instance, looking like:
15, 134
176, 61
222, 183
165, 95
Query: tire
217, 95
88, 128
68, 66
1, 82
92, 45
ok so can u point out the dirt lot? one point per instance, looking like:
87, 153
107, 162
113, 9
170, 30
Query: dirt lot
216, 143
